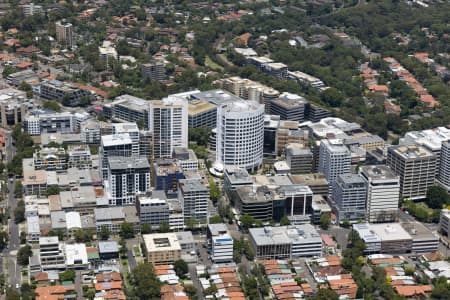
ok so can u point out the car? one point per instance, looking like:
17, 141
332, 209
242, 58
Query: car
17, 286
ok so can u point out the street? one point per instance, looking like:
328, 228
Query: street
9, 255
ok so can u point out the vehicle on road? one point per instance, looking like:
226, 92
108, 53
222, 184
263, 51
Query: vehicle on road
17, 286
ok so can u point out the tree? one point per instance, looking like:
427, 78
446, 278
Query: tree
126, 230
19, 212
325, 221
441, 289
104, 233
346, 223
23, 237
52, 190
190, 223
144, 284
164, 227
3, 240
146, 228
212, 290
199, 135
23, 255
67, 275
215, 220
332, 97
214, 192
12, 294
52, 105
326, 294
7, 70
123, 251
437, 197
58, 232
26, 87
181, 268
191, 291
89, 294
85, 101
285, 221
140, 124
247, 221
18, 189
83, 236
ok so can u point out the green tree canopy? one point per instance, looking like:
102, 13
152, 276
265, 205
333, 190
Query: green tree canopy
126, 230
164, 227
181, 268
437, 197
215, 220
285, 221
67, 275
144, 283
4, 237
23, 255
104, 233
52, 105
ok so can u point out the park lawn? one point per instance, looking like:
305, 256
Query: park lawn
212, 64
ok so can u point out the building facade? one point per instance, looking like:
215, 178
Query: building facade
416, 167
169, 125
195, 196
64, 33
221, 243
299, 159
127, 177
162, 248
154, 71
113, 145
444, 166
334, 159
240, 134
153, 210
67, 94
289, 107
383, 193
127, 108
285, 242
349, 197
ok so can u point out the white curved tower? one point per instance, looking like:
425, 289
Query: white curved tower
240, 134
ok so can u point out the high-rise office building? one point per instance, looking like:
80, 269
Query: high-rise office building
127, 177
64, 33
383, 192
299, 159
153, 210
194, 195
289, 107
132, 130
416, 167
169, 125
334, 159
240, 134
349, 197
127, 108
430, 139
444, 166
113, 145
